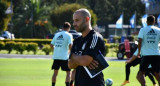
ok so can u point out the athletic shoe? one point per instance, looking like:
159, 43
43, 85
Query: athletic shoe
125, 82
155, 85
72, 85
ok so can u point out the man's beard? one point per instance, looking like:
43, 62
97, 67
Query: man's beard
82, 27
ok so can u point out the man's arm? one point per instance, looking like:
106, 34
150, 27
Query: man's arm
70, 47
139, 46
131, 59
72, 64
52, 46
82, 60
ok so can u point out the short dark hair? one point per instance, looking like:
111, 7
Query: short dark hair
151, 19
66, 25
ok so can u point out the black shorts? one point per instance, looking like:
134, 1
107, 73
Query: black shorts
60, 63
135, 62
153, 60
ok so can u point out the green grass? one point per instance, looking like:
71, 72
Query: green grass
37, 72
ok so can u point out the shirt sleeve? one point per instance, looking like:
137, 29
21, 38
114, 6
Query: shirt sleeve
53, 40
140, 35
96, 46
70, 39
73, 48
136, 52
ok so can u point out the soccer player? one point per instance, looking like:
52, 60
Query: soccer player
62, 43
85, 49
133, 61
149, 37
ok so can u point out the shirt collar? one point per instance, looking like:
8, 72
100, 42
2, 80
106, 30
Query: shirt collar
88, 35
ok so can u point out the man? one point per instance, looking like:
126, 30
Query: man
84, 50
133, 61
62, 43
149, 38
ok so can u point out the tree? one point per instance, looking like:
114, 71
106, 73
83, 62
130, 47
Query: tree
65, 12
4, 18
109, 10
31, 19
29, 15
128, 7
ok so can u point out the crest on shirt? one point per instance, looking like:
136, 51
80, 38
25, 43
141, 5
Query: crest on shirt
84, 45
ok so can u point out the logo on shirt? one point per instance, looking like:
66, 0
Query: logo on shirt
151, 32
151, 36
60, 37
84, 45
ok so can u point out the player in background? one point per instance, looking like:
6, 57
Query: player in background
62, 43
149, 38
133, 61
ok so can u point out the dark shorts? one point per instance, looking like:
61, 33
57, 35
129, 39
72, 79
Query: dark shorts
153, 60
148, 72
135, 62
60, 63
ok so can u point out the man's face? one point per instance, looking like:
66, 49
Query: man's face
79, 22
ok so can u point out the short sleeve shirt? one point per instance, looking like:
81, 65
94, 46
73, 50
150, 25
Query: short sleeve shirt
150, 36
61, 43
136, 52
89, 45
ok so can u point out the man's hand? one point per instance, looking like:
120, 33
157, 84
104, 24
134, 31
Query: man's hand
138, 55
94, 64
128, 61
72, 64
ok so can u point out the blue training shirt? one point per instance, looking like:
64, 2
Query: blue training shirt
150, 36
61, 43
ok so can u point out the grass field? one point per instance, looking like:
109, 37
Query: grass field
36, 72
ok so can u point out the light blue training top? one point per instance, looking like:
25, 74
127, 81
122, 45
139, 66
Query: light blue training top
61, 43
136, 52
150, 36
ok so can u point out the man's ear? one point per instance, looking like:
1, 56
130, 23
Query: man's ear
87, 19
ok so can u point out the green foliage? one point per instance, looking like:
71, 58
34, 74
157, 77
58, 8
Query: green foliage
107, 45
4, 18
20, 47
114, 46
65, 12
32, 47
29, 15
117, 37
47, 49
9, 46
31, 19
2, 44
40, 42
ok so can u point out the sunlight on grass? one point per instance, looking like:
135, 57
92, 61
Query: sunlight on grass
37, 72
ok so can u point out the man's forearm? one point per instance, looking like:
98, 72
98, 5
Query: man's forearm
82, 60
139, 45
72, 64
133, 58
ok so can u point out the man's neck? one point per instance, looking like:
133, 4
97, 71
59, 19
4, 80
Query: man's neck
66, 30
85, 33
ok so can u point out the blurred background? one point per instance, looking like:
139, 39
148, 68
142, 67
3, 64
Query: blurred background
30, 25
41, 18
